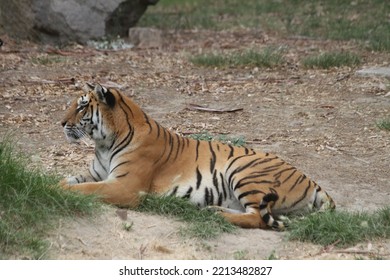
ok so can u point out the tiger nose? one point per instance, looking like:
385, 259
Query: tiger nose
63, 123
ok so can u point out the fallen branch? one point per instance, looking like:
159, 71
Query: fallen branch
254, 141
70, 53
362, 252
44, 81
205, 109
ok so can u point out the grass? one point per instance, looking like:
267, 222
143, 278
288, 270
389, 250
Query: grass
48, 59
206, 136
266, 58
364, 21
341, 228
30, 205
201, 223
384, 124
331, 59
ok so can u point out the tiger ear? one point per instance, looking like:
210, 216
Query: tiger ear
88, 87
104, 95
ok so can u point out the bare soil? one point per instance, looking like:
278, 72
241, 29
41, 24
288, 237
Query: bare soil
322, 121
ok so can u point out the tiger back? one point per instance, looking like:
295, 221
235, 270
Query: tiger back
134, 155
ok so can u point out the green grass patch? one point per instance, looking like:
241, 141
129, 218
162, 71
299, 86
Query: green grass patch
200, 223
341, 228
266, 58
384, 124
30, 204
332, 59
364, 21
206, 136
48, 60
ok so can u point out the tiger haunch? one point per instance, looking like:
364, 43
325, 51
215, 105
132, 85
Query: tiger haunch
134, 154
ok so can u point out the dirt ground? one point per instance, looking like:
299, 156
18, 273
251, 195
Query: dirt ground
322, 121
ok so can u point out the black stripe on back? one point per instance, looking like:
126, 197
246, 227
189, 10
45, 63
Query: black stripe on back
127, 106
302, 197
170, 143
213, 158
278, 174
147, 122
249, 164
251, 192
178, 146
254, 182
197, 149
296, 183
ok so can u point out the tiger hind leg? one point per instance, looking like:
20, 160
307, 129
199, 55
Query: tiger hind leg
253, 218
249, 219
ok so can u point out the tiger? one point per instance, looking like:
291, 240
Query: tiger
135, 156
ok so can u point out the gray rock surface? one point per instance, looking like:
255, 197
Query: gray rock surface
62, 21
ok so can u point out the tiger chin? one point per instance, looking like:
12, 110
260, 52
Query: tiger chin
135, 155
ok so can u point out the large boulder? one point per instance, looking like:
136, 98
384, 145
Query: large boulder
63, 21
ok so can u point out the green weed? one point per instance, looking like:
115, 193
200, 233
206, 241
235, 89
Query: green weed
267, 58
241, 255
329, 60
341, 228
30, 204
48, 59
206, 136
384, 124
200, 223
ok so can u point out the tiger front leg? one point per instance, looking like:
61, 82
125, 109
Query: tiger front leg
95, 173
78, 179
220, 209
123, 193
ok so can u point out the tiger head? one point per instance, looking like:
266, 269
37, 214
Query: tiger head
85, 116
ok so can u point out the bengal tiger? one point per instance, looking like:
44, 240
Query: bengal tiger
135, 155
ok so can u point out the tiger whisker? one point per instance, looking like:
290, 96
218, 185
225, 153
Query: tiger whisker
83, 136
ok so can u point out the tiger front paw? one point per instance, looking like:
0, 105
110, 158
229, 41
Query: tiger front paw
64, 183
215, 209
68, 182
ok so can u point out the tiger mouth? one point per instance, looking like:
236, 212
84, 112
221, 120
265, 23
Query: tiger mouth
72, 137
74, 134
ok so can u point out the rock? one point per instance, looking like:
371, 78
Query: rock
143, 37
58, 21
